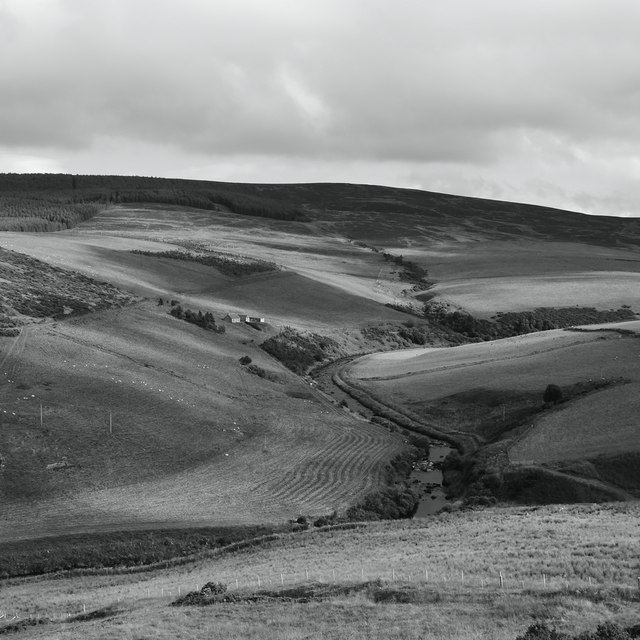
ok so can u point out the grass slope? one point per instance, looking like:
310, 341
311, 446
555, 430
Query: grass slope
187, 419
493, 391
369, 582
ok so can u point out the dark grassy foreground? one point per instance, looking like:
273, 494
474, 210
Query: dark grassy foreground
121, 549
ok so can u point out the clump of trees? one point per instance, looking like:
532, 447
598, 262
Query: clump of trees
393, 503
298, 351
411, 272
204, 320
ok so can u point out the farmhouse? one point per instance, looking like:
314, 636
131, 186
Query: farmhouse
236, 318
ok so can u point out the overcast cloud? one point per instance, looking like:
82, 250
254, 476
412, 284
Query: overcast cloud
529, 100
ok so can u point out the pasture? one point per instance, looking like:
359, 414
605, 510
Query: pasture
327, 281
602, 423
161, 409
471, 387
562, 565
485, 277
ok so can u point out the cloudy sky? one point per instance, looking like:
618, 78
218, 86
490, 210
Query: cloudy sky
528, 100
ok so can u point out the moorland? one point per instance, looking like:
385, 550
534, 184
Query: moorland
142, 429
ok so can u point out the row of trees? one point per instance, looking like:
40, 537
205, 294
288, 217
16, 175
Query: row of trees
204, 320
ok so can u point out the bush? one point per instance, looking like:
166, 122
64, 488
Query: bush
387, 504
245, 360
298, 352
213, 588
552, 394
540, 631
605, 631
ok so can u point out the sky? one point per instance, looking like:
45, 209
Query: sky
527, 100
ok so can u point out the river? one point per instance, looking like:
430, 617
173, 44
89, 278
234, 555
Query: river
428, 481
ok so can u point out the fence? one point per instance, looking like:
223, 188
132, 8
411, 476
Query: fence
250, 582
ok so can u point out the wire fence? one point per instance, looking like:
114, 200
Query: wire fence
273, 582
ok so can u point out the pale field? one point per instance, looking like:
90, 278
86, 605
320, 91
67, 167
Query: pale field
490, 276
581, 546
483, 297
523, 363
196, 438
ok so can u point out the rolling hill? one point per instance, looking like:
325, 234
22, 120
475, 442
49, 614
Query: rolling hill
179, 399
491, 394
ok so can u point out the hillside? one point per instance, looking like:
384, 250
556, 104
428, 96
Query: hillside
572, 568
351, 270
367, 212
491, 394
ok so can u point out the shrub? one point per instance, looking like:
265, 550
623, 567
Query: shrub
245, 360
298, 352
552, 394
213, 588
176, 311
540, 631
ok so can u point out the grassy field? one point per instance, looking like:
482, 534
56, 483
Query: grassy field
130, 420
470, 379
327, 281
571, 567
492, 392
602, 423
187, 419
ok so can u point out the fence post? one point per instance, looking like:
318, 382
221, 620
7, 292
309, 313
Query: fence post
426, 575
544, 580
501, 580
